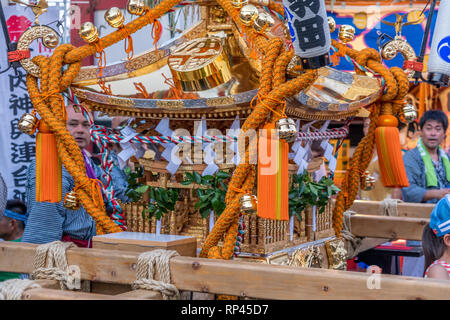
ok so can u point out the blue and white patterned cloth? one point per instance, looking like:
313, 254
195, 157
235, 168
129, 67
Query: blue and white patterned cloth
48, 222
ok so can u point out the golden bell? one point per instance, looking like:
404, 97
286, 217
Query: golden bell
263, 21
239, 3
368, 182
71, 201
287, 130
248, 14
50, 41
346, 33
27, 123
409, 113
114, 17
331, 24
136, 7
88, 32
248, 204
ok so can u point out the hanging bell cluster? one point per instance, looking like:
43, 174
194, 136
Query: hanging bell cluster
248, 204
367, 182
346, 33
115, 17
71, 201
287, 130
88, 32
28, 123
409, 113
251, 16
136, 7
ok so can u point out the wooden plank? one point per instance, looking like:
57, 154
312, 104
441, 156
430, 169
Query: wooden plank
404, 209
51, 294
388, 227
243, 279
142, 295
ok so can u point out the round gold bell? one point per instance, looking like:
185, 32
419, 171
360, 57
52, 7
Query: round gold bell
28, 123
346, 33
239, 3
409, 113
331, 24
263, 21
248, 14
50, 41
71, 201
248, 204
287, 130
114, 17
88, 32
136, 7
368, 182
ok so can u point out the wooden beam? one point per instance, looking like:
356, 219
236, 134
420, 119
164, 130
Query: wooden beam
52, 294
243, 279
141, 295
388, 227
404, 209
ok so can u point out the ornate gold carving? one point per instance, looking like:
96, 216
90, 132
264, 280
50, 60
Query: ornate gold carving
337, 255
144, 60
120, 102
220, 101
26, 39
309, 257
170, 104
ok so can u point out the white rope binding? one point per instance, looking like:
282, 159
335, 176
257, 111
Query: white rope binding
13, 289
57, 267
147, 264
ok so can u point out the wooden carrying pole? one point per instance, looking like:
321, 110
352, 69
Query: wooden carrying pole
244, 279
404, 209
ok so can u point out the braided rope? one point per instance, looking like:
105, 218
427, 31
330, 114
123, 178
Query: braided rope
56, 269
156, 261
13, 289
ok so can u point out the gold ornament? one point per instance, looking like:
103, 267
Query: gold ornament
416, 17
309, 257
50, 40
337, 254
409, 113
200, 64
360, 20
248, 204
368, 182
114, 17
346, 33
239, 3
71, 201
331, 24
390, 50
287, 129
88, 32
248, 14
28, 123
263, 21
136, 7
218, 14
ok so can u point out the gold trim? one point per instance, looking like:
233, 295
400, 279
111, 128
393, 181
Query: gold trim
170, 105
220, 101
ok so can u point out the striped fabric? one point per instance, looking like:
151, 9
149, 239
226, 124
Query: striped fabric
48, 222
442, 263
3, 195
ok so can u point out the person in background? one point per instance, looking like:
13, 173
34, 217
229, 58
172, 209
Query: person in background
427, 166
436, 242
13, 216
49, 222
428, 169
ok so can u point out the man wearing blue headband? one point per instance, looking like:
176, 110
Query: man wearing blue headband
12, 222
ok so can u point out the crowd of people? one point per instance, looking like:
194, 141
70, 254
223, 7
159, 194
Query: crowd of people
427, 166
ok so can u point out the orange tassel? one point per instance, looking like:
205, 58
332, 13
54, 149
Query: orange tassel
273, 178
390, 159
48, 166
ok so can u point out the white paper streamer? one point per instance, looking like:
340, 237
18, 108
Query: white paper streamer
211, 220
314, 218
234, 132
291, 227
158, 227
171, 149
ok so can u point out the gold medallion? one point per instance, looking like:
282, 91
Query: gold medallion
200, 64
